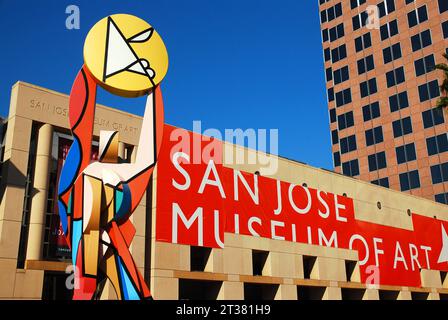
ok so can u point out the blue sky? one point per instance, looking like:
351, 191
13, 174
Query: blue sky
233, 63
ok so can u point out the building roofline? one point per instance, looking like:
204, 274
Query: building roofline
36, 87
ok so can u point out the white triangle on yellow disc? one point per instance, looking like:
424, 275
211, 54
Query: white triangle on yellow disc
119, 55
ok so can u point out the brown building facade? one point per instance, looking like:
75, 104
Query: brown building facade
382, 91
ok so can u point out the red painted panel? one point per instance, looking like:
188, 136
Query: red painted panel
197, 203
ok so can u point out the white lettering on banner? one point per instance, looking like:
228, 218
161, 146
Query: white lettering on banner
293, 204
377, 250
217, 238
293, 231
399, 256
426, 249
310, 239
278, 210
323, 240
184, 173
253, 194
326, 213
251, 228
275, 224
361, 238
177, 212
413, 251
237, 223
339, 206
207, 181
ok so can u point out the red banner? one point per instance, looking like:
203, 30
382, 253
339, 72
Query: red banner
198, 199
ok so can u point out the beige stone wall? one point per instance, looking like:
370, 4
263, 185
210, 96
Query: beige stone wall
290, 270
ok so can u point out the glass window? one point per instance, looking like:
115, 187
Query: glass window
348, 144
395, 77
426, 38
338, 10
345, 120
366, 64
374, 136
392, 53
363, 42
368, 87
331, 13
443, 6
332, 115
337, 159
389, 29
343, 97
428, 90
325, 35
341, 75
412, 18
323, 16
387, 55
406, 153
330, 93
334, 137
445, 29
359, 20
386, 7
383, 182
370, 64
338, 53
424, 65
409, 180
327, 54
329, 74
358, 44
356, 3
421, 40
417, 16
398, 101
351, 168
441, 198
336, 32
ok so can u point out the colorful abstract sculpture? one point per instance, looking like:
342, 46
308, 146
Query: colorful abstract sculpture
124, 55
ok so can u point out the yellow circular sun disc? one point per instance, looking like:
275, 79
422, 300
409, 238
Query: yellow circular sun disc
125, 55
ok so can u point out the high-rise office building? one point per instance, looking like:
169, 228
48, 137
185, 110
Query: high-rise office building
382, 92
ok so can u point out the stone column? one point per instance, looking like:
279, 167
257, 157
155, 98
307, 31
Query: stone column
121, 150
39, 200
231, 290
134, 154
